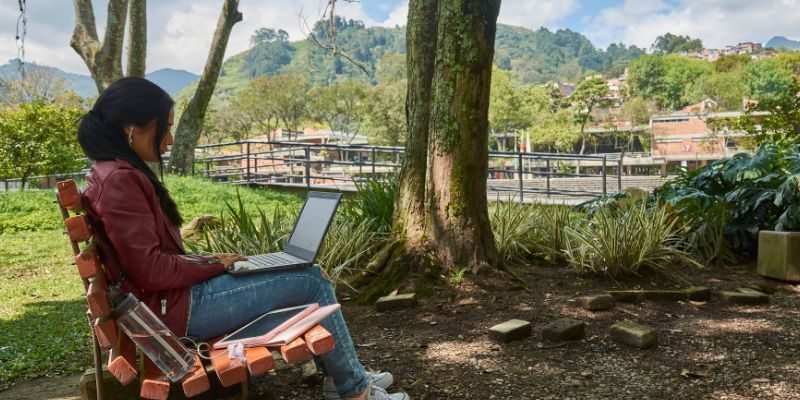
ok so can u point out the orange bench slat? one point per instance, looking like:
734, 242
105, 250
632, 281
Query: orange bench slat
230, 371
88, 262
319, 340
196, 381
295, 352
78, 228
155, 385
259, 360
96, 297
122, 360
69, 195
106, 332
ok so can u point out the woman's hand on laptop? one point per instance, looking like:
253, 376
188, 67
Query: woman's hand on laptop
227, 259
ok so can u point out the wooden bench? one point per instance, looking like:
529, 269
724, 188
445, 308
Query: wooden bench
121, 350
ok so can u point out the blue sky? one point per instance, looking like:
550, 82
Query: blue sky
180, 31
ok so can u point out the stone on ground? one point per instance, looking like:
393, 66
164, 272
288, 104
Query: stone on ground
309, 374
762, 287
396, 302
111, 388
633, 334
698, 293
751, 297
695, 293
563, 330
511, 330
779, 255
598, 302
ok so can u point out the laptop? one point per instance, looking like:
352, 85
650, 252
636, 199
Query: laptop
304, 242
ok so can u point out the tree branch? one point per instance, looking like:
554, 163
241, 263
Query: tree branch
84, 36
332, 47
189, 127
137, 38
111, 52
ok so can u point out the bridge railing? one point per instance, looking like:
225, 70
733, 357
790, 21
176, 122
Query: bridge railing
517, 174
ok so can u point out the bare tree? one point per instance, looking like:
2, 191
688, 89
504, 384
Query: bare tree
190, 125
104, 59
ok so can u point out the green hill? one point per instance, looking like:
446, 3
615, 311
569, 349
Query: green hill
536, 56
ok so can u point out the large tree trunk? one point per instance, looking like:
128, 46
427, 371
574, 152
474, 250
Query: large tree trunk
137, 38
420, 49
104, 60
189, 127
448, 112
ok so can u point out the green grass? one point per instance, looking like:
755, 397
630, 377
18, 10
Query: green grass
197, 197
43, 328
28, 211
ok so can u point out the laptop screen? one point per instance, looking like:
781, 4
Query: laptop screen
313, 222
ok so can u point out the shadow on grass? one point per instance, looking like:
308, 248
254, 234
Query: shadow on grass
48, 338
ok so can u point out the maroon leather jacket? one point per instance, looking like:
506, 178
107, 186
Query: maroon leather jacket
139, 245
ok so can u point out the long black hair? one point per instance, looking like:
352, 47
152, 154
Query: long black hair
102, 136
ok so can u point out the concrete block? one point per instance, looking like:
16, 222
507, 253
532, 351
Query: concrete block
597, 302
745, 298
762, 287
112, 390
563, 330
779, 255
627, 296
309, 374
698, 293
511, 330
633, 334
396, 302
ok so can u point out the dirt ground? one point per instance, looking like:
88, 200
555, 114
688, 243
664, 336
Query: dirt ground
441, 350
711, 350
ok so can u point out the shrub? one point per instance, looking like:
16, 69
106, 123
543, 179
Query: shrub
348, 244
551, 238
241, 232
756, 192
617, 243
514, 226
39, 139
374, 201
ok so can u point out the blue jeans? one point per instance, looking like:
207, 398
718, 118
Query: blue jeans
228, 302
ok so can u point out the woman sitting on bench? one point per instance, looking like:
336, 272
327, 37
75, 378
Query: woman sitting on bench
136, 225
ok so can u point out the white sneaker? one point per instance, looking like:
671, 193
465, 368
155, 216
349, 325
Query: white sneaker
380, 379
376, 393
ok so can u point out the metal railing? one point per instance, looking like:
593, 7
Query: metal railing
519, 175
336, 166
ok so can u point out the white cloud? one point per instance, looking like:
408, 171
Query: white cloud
717, 22
397, 17
179, 31
536, 14
525, 13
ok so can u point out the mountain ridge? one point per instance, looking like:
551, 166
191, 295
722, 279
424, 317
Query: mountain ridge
778, 42
171, 80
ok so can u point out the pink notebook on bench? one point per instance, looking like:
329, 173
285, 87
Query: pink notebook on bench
278, 327
302, 326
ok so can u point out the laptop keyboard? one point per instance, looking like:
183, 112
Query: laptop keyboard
273, 259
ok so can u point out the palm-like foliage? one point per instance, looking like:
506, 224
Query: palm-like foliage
374, 201
244, 233
616, 243
514, 226
756, 192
